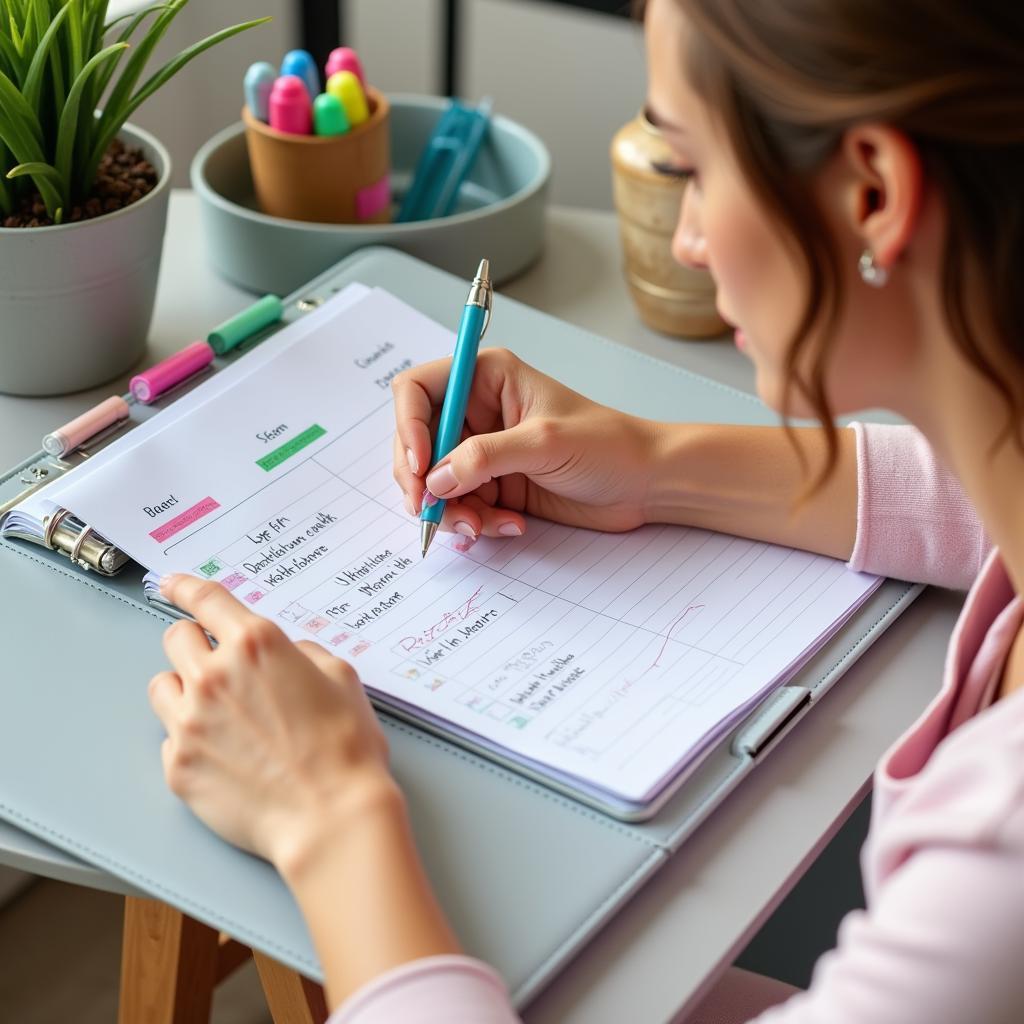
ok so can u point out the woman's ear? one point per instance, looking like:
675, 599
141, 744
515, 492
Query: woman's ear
886, 182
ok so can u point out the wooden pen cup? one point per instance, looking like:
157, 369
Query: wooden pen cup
333, 179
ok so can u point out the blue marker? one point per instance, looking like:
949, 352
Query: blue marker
301, 64
257, 84
476, 315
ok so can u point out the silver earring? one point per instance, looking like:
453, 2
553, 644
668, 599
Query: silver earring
870, 271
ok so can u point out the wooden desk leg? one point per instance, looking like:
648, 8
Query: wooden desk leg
230, 956
169, 965
291, 998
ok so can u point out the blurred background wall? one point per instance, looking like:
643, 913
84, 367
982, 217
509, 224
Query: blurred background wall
572, 72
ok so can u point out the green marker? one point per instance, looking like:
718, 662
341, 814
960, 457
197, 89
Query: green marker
244, 325
329, 117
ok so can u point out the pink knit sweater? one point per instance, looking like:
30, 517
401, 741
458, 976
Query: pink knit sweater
942, 940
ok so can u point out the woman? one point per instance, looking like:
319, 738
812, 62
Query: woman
854, 189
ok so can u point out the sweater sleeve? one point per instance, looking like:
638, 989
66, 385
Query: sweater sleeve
434, 990
943, 944
914, 521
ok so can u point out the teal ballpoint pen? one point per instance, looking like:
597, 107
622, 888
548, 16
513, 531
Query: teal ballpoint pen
476, 315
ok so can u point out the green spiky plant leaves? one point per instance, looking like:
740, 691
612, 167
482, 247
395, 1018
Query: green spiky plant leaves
69, 79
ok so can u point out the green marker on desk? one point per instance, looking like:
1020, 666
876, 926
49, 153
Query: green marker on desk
233, 332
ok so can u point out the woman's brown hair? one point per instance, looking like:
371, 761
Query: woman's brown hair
787, 78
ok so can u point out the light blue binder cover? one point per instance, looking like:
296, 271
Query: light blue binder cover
525, 873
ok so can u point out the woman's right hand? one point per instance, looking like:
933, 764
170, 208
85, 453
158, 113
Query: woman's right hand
533, 446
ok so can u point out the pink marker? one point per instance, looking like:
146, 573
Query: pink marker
344, 58
66, 439
148, 386
291, 109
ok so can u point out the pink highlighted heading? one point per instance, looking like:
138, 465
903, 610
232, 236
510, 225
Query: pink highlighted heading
184, 519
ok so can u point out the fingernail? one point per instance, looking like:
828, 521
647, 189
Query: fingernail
465, 529
410, 505
410, 457
166, 581
510, 530
441, 480
428, 499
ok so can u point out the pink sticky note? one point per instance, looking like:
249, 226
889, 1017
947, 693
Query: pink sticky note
371, 199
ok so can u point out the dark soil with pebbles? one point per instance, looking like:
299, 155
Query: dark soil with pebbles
124, 177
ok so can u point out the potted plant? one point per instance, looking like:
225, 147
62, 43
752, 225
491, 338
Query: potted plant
83, 195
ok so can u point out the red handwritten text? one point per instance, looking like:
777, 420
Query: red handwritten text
449, 619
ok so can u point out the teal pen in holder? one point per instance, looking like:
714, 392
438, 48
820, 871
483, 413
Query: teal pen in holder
445, 162
476, 315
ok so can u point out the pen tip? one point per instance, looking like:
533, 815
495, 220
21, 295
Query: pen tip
427, 531
484, 270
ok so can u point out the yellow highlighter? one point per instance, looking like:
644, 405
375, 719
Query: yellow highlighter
345, 85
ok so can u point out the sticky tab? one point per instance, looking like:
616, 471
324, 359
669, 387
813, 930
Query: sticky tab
345, 85
372, 199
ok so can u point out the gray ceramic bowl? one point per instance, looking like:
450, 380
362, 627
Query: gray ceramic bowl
500, 214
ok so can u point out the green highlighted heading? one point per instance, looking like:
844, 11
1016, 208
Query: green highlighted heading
289, 448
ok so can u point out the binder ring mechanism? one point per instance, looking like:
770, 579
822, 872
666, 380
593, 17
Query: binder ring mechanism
85, 548
52, 522
76, 549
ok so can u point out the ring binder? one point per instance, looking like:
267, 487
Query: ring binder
50, 524
63, 533
104, 799
83, 546
76, 548
59, 531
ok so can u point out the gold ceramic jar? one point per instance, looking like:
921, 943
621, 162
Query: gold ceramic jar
670, 298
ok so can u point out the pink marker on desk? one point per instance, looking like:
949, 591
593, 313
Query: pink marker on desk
345, 59
149, 385
291, 109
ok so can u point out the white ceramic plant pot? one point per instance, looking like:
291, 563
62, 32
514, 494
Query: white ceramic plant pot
76, 300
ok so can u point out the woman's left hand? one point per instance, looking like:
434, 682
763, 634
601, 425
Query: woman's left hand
269, 742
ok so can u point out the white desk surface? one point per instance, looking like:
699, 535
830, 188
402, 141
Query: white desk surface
700, 910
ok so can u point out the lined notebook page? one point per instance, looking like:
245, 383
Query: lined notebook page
611, 659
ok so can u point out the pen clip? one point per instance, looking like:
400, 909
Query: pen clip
487, 311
